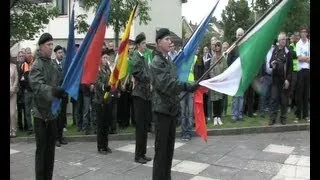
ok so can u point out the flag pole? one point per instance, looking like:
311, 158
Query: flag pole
236, 43
238, 40
211, 12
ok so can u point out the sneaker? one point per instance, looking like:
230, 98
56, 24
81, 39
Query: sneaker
215, 121
184, 138
219, 121
234, 119
307, 119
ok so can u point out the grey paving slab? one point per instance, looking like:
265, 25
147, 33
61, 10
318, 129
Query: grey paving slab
219, 172
192, 148
251, 175
234, 162
124, 155
221, 148
264, 166
243, 152
179, 154
206, 158
100, 175
227, 157
100, 161
273, 157
142, 172
71, 156
179, 175
68, 170
122, 167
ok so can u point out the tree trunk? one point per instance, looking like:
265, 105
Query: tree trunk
116, 34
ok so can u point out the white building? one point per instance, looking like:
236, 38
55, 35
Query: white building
163, 13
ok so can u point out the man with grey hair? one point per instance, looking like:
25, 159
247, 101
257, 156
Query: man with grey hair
281, 64
237, 101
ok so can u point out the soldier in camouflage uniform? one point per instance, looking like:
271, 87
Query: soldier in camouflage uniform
141, 98
45, 87
165, 104
99, 106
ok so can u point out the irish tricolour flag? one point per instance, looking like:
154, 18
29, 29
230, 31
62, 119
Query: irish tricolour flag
252, 52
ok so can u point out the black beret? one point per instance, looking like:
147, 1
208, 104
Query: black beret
57, 48
45, 37
161, 33
140, 37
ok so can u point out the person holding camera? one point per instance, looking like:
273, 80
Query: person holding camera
281, 64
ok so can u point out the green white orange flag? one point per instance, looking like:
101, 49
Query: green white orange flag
252, 52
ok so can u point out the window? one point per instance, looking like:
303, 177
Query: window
81, 4
63, 7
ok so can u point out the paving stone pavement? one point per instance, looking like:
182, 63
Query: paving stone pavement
270, 156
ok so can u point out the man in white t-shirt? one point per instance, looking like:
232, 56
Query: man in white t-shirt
303, 54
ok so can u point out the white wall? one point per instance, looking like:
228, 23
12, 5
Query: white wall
164, 14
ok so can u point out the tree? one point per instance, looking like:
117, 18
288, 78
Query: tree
28, 18
298, 15
119, 14
260, 7
236, 14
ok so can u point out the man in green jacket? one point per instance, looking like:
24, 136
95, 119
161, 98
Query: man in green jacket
141, 94
165, 104
45, 87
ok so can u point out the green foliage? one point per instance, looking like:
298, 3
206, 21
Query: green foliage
260, 7
236, 14
299, 15
119, 14
28, 18
80, 23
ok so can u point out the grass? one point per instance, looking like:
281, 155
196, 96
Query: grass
227, 123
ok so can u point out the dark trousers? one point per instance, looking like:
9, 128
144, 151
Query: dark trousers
124, 109
102, 124
249, 101
293, 89
74, 119
27, 106
217, 107
141, 107
86, 112
61, 118
112, 114
45, 133
133, 121
225, 104
279, 96
303, 93
79, 110
205, 105
165, 132
21, 114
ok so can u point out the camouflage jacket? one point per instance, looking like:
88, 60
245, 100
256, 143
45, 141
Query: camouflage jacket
43, 77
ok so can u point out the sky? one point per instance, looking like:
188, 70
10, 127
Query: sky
195, 10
